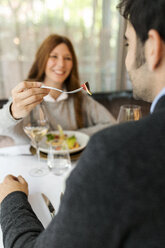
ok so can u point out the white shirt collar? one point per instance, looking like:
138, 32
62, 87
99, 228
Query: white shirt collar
61, 97
161, 93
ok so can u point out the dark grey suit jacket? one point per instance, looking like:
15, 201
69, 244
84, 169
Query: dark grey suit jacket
114, 198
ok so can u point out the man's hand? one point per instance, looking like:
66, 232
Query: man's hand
11, 184
26, 95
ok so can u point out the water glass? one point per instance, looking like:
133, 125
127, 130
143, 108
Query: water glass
58, 159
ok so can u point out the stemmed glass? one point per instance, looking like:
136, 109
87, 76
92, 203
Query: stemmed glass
36, 125
129, 113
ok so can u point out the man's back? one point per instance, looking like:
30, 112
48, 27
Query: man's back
115, 196
124, 171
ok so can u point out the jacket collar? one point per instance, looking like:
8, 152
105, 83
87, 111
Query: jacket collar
160, 104
155, 101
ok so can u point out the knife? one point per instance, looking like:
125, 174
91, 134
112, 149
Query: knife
49, 205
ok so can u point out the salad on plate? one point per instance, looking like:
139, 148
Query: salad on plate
57, 139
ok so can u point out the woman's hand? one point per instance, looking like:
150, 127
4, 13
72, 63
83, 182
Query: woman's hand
26, 95
11, 184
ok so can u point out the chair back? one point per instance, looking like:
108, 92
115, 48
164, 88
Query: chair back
113, 100
2, 102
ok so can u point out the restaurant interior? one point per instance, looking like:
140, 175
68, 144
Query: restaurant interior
96, 31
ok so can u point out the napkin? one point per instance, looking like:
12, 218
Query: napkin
15, 150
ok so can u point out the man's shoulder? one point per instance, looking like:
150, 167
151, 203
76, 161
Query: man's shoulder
127, 143
120, 130
120, 135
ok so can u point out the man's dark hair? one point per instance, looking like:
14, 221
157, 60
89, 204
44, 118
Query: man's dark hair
144, 15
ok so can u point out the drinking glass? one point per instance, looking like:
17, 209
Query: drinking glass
58, 159
129, 113
36, 125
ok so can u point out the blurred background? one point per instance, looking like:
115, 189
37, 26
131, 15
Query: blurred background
94, 26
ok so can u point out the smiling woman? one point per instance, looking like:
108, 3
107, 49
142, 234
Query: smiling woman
55, 65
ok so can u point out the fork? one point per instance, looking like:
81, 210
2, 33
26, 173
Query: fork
68, 92
84, 86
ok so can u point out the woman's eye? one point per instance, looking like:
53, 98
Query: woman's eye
126, 44
53, 56
68, 58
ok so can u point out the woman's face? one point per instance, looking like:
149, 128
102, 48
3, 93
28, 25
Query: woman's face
59, 65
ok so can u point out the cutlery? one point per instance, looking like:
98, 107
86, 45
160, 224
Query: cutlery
61, 196
84, 86
49, 205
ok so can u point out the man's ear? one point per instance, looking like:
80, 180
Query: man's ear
154, 49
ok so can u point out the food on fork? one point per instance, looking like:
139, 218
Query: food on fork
86, 87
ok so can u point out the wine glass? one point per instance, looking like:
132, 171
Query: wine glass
129, 113
36, 125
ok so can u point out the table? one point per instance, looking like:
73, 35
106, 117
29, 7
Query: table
12, 162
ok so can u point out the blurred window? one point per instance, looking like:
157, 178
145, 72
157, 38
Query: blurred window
92, 25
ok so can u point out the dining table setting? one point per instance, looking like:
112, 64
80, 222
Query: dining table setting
48, 160
45, 162
45, 191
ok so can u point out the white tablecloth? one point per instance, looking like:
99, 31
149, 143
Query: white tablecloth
50, 185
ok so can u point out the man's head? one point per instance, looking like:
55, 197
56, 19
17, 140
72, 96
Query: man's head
145, 37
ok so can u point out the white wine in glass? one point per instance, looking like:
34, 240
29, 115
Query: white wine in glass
129, 113
36, 126
36, 133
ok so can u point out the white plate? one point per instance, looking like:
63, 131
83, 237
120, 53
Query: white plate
82, 139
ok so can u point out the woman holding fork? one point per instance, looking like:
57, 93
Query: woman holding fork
55, 65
